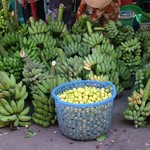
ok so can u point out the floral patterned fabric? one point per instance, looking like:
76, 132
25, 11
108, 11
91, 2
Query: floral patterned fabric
110, 12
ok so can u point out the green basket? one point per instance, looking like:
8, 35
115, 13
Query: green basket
136, 9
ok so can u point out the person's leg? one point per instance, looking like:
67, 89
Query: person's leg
67, 15
40, 9
26, 12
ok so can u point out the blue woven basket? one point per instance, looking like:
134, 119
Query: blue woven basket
84, 121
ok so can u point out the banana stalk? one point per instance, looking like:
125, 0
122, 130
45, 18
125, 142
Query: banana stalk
89, 27
32, 20
9, 25
5, 7
61, 54
3, 52
52, 74
99, 29
146, 91
60, 12
67, 36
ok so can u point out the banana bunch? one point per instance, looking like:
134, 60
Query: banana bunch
78, 29
137, 113
12, 102
100, 63
41, 38
23, 29
50, 43
71, 67
91, 60
142, 36
136, 98
135, 116
33, 74
139, 79
106, 47
92, 76
44, 107
3, 27
33, 53
111, 29
76, 37
48, 54
28, 42
38, 27
124, 74
56, 26
10, 39
131, 54
139, 105
124, 33
93, 39
72, 49
59, 80
146, 53
12, 65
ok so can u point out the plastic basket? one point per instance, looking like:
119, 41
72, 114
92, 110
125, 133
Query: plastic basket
84, 121
144, 26
136, 9
126, 17
141, 18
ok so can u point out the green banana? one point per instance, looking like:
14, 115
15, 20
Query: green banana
24, 118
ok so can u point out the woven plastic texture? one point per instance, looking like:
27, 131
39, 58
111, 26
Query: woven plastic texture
84, 121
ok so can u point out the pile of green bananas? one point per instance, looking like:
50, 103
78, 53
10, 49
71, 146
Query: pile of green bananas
12, 65
3, 27
131, 54
13, 112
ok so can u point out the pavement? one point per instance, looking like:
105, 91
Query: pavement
122, 135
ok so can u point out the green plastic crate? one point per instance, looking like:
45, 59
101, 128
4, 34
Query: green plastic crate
141, 18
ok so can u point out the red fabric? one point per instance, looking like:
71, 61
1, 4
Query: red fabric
33, 8
126, 2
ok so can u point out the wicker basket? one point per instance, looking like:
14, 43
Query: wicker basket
84, 121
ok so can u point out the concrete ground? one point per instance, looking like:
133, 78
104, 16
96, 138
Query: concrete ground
122, 136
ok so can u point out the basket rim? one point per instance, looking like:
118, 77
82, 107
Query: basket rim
88, 104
